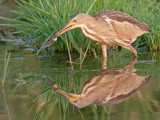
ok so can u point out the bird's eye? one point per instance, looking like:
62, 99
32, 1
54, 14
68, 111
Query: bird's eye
74, 21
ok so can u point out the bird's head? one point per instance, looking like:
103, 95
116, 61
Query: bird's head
78, 20
72, 23
75, 21
78, 100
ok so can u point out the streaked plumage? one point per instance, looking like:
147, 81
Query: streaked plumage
108, 27
112, 87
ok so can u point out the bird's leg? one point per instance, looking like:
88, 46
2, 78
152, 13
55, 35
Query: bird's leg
130, 48
104, 51
104, 64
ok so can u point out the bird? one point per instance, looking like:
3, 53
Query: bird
111, 87
110, 28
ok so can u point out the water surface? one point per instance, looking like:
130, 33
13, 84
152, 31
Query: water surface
27, 94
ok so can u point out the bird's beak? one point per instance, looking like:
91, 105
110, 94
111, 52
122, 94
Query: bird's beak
67, 27
68, 96
54, 38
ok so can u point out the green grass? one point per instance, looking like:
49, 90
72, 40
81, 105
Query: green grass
1, 35
42, 18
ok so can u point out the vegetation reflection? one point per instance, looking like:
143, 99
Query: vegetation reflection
111, 87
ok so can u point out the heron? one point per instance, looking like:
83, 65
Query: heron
112, 28
111, 87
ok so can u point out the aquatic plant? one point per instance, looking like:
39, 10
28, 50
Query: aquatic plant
41, 19
6, 62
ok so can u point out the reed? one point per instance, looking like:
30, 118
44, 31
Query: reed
6, 62
42, 18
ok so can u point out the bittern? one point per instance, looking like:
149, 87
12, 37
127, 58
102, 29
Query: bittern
108, 27
112, 87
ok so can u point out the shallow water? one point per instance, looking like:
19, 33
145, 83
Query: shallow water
28, 74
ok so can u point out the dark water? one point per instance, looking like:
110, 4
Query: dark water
127, 90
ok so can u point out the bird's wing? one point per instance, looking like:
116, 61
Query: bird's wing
122, 22
120, 17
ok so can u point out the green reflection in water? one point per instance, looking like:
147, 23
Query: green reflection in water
25, 85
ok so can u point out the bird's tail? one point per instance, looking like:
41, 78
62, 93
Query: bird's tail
145, 27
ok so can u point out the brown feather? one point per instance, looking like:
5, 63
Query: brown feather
121, 17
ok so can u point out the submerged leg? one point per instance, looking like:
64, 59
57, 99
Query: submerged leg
104, 64
130, 48
104, 50
131, 64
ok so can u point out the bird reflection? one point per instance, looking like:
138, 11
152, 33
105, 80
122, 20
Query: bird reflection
111, 87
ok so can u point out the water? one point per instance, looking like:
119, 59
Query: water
133, 85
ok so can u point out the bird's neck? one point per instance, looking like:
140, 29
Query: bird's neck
82, 101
